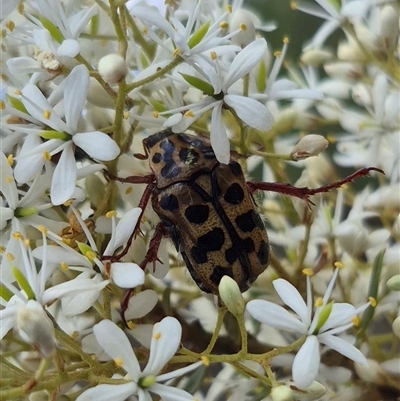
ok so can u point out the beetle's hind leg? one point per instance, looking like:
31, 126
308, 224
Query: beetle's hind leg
304, 193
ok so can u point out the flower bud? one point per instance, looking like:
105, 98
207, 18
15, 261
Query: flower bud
394, 283
344, 70
309, 145
389, 27
396, 326
316, 57
231, 295
371, 373
36, 328
112, 68
281, 393
242, 20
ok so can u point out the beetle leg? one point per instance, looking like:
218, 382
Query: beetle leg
133, 179
304, 192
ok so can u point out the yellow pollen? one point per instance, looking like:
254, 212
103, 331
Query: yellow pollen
75, 334
293, 5
189, 114
18, 92
331, 138
243, 27
47, 114
46, 155
277, 54
176, 52
129, 190
126, 115
10, 25
155, 114
2, 249
157, 336
64, 266
145, 31
110, 214
308, 272
205, 360
339, 264
27, 242
10, 159
43, 229
213, 56
229, 8
3, 33
319, 302
10, 257
356, 321
372, 301
119, 362
18, 235
131, 325
2, 105
286, 40
66, 241
224, 25
9, 179
68, 202
21, 8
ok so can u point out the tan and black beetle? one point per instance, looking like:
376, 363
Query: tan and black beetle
208, 210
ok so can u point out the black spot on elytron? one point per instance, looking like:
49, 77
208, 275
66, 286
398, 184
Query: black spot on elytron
157, 157
220, 272
231, 255
263, 253
235, 168
153, 139
258, 221
234, 195
248, 245
212, 241
197, 214
169, 202
246, 221
188, 156
204, 148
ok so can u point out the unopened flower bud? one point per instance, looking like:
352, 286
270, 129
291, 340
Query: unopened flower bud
231, 295
316, 57
344, 70
396, 326
309, 145
389, 27
371, 373
314, 392
36, 328
112, 68
282, 393
394, 283
242, 20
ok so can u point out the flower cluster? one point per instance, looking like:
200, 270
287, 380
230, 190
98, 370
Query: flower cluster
95, 304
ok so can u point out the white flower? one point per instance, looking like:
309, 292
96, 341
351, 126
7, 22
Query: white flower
249, 110
165, 342
65, 103
329, 319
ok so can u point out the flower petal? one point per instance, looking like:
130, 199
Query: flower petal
116, 344
164, 343
141, 304
219, 138
168, 393
306, 363
106, 392
250, 111
98, 145
127, 275
343, 347
64, 178
274, 315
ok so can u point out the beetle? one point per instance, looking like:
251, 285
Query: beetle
208, 210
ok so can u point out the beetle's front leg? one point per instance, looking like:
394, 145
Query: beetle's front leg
304, 193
